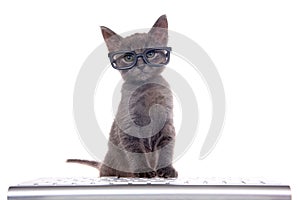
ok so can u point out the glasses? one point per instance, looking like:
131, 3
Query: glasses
154, 57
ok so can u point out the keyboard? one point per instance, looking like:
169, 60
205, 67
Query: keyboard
113, 188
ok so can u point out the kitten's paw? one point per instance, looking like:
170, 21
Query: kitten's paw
167, 172
150, 174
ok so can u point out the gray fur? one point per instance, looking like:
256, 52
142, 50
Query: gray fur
149, 152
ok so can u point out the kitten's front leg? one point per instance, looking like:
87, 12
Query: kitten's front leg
165, 148
165, 168
139, 165
136, 156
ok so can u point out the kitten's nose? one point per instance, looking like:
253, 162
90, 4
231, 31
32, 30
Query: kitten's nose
141, 64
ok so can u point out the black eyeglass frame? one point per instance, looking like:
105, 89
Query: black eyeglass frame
136, 56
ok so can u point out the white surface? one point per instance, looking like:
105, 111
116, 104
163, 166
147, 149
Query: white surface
255, 46
91, 181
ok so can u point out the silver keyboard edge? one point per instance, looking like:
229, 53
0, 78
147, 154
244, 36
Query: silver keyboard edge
153, 192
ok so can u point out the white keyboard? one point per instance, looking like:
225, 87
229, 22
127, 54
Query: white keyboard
113, 188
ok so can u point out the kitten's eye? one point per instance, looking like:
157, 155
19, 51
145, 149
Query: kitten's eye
128, 57
150, 54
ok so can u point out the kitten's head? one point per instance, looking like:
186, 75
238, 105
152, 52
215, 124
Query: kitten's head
157, 37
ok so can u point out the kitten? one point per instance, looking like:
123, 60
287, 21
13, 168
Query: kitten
142, 136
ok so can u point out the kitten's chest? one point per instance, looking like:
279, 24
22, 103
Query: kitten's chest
141, 101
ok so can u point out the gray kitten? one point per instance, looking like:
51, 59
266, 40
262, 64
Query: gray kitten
142, 136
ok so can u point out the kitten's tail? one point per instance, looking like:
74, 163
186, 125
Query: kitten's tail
90, 163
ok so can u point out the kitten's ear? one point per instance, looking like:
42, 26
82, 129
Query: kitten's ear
159, 31
162, 22
112, 40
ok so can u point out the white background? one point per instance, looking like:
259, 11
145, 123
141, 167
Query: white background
254, 44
